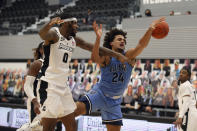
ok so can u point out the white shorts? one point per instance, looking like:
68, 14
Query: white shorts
57, 105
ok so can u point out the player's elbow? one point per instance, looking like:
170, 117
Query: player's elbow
42, 36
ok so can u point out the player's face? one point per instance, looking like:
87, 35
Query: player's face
118, 42
183, 75
73, 28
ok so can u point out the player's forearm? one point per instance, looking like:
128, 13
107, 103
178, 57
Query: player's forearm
28, 86
83, 44
102, 50
95, 51
146, 38
43, 32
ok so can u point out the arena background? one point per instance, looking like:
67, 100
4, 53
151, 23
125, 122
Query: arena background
20, 21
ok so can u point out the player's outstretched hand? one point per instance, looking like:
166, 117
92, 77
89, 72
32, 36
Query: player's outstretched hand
56, 20
97, 29
155, 22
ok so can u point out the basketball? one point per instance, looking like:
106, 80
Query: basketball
161, 30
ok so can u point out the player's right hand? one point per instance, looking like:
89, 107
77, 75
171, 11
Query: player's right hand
155, 22
56, 20
36, 106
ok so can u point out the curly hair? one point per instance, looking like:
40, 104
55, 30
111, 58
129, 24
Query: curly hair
109, 37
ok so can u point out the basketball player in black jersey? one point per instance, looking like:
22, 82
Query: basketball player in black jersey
31, 86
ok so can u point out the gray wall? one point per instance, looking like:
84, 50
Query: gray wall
20, 47
180, 42
163, 7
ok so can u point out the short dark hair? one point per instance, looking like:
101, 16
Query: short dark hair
109, 37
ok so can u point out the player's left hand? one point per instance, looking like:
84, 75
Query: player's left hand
97, 29
155, 22
178, 122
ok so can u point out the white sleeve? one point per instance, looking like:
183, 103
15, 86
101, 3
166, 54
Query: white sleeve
185, 106
28, 86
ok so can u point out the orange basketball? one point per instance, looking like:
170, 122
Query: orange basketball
161, 30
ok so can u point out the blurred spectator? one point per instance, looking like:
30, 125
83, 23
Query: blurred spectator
72, 79
187, 65
82, 66
1, 84
172, 13
89, 17
136, 83
148, 13
5, 83
75, 66
159, 97
168, 99
155, 82
128, 94
195, 66
176, 69
135, 103
18, 87
148, 98
11, 86
94, 81
157, 66
138, 67
90, 66
148, 66
144, 78
174, 87
120, 19
188, 12
166, 67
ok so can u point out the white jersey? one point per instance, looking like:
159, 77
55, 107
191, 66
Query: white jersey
55, 68
186, 89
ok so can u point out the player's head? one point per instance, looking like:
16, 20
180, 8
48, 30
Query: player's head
70, 24
115, 39
185, 74
38, 52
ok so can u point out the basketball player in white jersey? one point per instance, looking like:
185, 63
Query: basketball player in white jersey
59, 104
187, 103
30, 88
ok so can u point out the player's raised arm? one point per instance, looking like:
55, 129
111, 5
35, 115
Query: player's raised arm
143, 42
95, 51
50, 35
102, 50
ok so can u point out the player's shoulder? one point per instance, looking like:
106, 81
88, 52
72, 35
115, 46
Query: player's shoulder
185, 86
